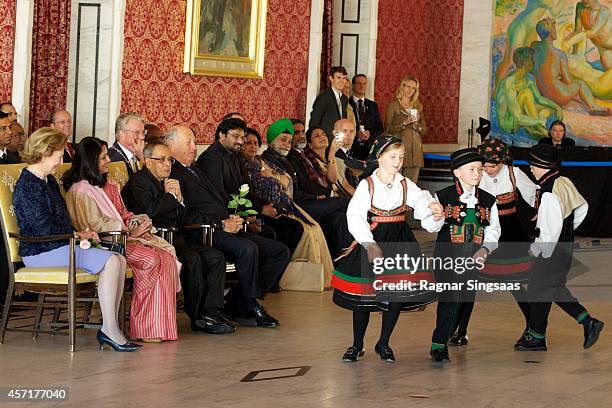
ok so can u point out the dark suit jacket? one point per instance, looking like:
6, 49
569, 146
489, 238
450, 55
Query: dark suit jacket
143, 194
226, 172
566, 141
372, 123
116, 154
325, 111
199, 193
10, 158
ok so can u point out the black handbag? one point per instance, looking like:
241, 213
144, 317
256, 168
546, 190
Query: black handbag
113, 246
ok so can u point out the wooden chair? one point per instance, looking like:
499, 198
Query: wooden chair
68, 282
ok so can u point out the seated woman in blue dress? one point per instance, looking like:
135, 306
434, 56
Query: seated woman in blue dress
41, 210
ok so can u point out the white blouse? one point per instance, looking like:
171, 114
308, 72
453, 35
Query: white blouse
386, 197
501, 184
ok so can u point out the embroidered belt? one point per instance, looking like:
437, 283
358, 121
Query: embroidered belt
506, 211
388, 219
387, 213
506, 198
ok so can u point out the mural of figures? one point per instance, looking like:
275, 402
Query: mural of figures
552, 59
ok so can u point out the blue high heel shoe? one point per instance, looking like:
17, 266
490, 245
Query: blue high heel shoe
104, 339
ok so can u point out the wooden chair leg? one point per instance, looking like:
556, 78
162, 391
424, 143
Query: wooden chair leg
87, 311
7, 308
38, 316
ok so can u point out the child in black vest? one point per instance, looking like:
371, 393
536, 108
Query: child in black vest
561, 209
468, 233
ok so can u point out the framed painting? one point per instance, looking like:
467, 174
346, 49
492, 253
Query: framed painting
225, 37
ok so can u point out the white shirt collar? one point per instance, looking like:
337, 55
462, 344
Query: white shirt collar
127, 153
358, 99
3, 152
337, 93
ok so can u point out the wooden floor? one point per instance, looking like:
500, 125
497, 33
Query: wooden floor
201, 370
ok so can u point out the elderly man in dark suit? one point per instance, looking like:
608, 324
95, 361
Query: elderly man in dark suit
129, 141
331, 104
223, 166
259, 261
150, 191
367, 116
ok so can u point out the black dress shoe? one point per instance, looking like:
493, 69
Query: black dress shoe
530, 343
215, 324
242, 318
353, 354
521, 340
458, 340
591, 332
263, 319
439, 355
385, 353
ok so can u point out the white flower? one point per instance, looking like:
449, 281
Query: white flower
85, 244
244, 188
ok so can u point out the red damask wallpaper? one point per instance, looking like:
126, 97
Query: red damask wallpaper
7, 44
154, 85
50, 44
422, 39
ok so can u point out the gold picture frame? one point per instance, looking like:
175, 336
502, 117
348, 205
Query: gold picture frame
225, 38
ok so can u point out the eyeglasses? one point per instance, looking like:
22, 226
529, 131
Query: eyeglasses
170, 160
138, 132
4, 128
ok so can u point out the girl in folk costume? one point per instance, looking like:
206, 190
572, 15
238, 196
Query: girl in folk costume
377, 220
561, 209
510, 262
470, 229
95, 204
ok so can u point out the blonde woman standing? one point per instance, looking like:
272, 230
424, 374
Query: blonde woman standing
404, 118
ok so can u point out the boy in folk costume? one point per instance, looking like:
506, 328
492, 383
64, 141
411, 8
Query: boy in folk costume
377, 220
561, 209
470, 229
515, 196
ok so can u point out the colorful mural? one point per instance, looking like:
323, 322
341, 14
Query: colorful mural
552, 59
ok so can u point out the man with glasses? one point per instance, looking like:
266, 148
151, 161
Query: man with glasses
62, 121
151, 191
6, 135
222, 162
129, 141
9, 109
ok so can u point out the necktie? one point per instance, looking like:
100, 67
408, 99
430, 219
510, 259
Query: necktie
192, 171
361, 112
339, 100
134, 164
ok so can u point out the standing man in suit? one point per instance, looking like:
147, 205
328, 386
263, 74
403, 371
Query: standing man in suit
62, 121
331, 104
6, 135
129, 141
151, 191
259, 261
367, 116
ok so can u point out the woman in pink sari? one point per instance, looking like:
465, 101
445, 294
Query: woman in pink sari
95, 204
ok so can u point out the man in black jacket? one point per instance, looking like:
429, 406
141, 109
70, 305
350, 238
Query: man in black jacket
331, 104
6, 135
369, 124
152, 192
222, 164
129, 141
259, 261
